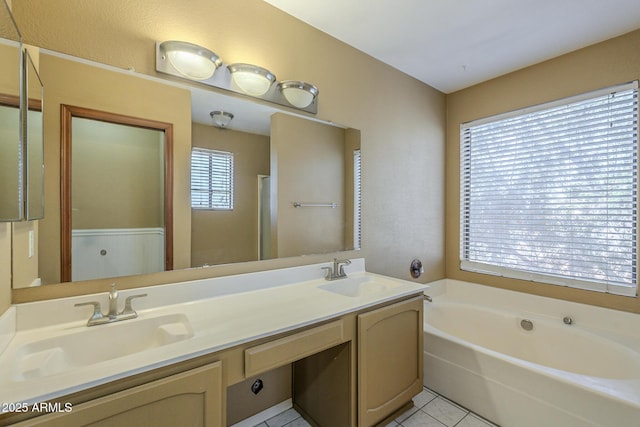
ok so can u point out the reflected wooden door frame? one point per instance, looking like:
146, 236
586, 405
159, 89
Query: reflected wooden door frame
67, 113
9, 100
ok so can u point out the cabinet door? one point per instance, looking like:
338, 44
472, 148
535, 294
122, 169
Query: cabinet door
389, 359
191, 398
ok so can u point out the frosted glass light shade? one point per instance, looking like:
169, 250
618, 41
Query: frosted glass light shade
190, 60
252, 79
298, 94
221, 118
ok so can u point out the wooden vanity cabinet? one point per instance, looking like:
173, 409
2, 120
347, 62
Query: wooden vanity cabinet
190, 398
356, 370
390, 364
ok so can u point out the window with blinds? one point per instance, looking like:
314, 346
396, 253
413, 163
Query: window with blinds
357, 198
211, 179
549, 193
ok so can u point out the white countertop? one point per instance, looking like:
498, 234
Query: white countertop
221, 313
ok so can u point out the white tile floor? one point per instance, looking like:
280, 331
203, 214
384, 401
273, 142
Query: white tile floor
429, 410
432, 410
288, 418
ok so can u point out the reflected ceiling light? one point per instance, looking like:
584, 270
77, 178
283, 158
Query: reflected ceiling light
299, 94
192, 61
221, 118
252, 79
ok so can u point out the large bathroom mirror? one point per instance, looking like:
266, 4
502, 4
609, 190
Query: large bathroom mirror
293, 178
11, 195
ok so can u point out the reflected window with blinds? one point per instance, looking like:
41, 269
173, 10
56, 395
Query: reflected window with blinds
211, 179
549, 193
357, 201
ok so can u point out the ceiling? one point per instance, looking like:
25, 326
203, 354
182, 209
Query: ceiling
251, 117
453, 44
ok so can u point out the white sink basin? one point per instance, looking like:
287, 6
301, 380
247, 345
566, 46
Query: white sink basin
359, 286
91, 345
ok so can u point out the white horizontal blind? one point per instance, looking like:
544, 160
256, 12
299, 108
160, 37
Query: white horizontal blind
211, 179
357, 201
550, 194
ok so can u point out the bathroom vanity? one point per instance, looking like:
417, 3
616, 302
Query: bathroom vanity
354, 344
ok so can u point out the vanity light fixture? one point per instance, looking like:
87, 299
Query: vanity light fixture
299, 94
251, 79
192, 61
221, 118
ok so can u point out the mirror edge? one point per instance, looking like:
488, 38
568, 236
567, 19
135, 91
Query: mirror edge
37, 105
22, 116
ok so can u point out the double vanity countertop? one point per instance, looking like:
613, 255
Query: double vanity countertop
47, 351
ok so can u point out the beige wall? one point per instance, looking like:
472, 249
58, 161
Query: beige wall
10, 77
219, 237
80, 85
401, 120
605, 64
117, 176
308, 159
25, 267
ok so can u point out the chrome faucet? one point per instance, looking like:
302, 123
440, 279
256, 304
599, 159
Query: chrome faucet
337, 272
113, 302
98, 318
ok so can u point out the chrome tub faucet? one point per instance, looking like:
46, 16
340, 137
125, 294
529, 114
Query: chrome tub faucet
98, 318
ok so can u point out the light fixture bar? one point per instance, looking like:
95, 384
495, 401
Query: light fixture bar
200, 65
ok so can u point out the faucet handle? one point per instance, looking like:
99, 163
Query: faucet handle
329, 274
128, 308
97, 312
342, 263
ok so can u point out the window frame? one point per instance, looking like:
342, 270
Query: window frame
227, 182
494, 268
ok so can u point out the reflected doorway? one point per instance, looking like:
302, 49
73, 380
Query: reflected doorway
116, 195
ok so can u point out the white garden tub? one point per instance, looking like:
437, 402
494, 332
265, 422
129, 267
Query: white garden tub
477, 353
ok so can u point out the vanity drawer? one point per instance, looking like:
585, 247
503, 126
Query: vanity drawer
294, 347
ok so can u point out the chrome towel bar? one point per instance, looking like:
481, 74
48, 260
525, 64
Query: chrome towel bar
315, 205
